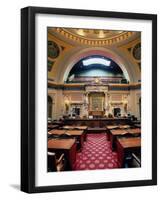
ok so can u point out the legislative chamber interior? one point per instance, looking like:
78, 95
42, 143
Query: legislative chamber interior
93, 100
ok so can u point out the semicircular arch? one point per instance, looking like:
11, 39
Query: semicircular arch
74, 56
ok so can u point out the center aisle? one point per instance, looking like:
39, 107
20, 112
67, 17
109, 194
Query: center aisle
96, 154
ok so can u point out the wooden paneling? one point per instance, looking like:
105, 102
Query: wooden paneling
101, 122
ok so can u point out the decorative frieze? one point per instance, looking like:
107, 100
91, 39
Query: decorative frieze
123, 35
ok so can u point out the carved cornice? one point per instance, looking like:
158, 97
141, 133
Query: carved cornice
124, 35
132, 86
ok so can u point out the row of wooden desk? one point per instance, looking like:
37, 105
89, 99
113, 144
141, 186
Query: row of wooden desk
126, 147
114, 133
97, 122
68, 146
65, 146
52, 126
125, 140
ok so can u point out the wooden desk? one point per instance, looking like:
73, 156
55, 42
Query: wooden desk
78, 134
61, 143
84, 128
127, 146
113, 134
66, 146
122, 132
110, 127
137, 125
118, 132
124, 126
81, 127
134, 131
99, 122
74, 132
130, 142
70, 127
51, 126
56, 131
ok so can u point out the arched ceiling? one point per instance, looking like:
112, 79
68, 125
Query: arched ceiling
92, 37
66, 46
93, 33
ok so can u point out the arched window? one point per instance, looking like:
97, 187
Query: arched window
96, 68
49, 107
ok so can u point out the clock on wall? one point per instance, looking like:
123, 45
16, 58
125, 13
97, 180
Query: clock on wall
137, 51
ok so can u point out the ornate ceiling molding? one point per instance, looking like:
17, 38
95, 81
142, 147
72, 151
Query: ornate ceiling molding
110, 39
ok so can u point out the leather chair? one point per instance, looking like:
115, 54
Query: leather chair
136, 160
133, 160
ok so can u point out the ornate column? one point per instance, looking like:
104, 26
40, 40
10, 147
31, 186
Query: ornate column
106, 103
125, 105
86, 104
53, 107
128, 104
66, 105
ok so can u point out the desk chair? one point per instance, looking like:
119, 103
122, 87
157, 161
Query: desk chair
136, 160
133, 160
54, 163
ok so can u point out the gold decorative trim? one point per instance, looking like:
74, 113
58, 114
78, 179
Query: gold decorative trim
83, 84
95, 42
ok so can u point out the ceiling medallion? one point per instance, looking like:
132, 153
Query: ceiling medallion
137, 51
53, 49
94, 37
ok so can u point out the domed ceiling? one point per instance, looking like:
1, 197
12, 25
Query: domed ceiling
94, 33
94, 37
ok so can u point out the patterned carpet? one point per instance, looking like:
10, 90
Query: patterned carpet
96, 154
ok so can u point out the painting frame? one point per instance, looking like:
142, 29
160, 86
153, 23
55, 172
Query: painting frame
28, 91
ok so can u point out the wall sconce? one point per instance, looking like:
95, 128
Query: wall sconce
67, 102
125, 102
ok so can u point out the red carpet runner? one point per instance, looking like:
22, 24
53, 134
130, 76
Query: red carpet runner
96, 154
